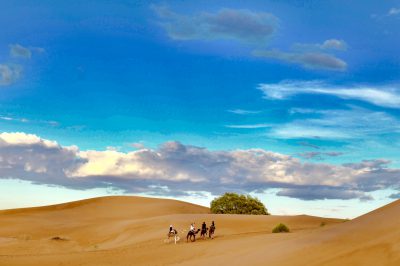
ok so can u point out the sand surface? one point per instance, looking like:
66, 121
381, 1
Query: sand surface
132, 231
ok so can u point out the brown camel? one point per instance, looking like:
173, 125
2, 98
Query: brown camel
192, 235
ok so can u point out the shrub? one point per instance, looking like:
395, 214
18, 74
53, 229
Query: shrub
59, 238
233, 203
281, 228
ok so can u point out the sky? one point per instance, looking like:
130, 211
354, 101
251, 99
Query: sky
295, 102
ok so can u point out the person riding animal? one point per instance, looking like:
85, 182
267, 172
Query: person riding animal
204, 230
173, 233
192, 227
192, 233
212, 230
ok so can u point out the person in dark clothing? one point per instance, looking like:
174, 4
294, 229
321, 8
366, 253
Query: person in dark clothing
204, 226
212, 230
204, 230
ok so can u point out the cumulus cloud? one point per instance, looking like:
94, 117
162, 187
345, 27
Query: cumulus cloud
17, 50
234, 24
385, 96
9, 73
178, 168
311, 59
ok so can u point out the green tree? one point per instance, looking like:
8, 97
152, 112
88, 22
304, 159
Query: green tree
233, 203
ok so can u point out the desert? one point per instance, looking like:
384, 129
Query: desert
125, 230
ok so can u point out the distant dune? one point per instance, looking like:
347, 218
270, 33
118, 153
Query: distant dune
131, 231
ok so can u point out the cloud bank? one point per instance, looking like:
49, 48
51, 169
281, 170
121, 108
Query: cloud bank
180, 168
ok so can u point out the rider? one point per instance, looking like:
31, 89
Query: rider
171, 229
212, 230
192, 227
204, 227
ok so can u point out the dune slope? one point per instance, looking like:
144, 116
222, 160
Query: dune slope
132, 230
372, 239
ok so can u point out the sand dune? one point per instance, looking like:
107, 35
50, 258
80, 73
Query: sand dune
131, 231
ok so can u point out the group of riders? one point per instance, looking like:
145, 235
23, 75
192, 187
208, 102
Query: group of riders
191, 235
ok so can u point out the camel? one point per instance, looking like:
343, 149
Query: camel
211, 232
173, 234
192, 235
203, 233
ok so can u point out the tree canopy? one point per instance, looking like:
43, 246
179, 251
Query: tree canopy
233, 203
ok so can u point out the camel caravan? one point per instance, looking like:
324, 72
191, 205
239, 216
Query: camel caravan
191, 235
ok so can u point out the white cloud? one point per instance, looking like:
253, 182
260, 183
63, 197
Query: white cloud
7, 118
17, 50
243, 112
25, 120
327, 45
234, 24
303, 130
179, 168
394, 11
353, 123
334, 44
19, 138
9, 73
385, 96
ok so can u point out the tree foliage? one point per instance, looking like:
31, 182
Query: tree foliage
233, 203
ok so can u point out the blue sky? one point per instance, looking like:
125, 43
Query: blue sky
296, 102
